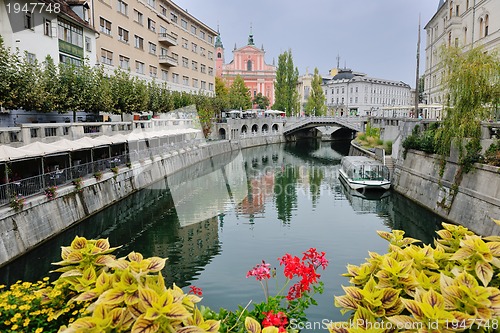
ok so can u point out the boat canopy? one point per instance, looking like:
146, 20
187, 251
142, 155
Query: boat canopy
364, 168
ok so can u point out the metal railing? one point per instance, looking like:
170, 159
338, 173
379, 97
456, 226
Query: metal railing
37, 184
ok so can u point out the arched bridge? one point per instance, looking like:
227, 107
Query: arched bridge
354, 124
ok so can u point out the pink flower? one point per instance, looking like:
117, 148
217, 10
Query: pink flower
261, 271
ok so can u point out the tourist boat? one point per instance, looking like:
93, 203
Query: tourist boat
361, 172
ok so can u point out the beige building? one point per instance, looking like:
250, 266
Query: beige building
156, 39
304, 87
461, 23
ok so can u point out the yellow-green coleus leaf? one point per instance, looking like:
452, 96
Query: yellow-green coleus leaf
143, 325
484, 272
346, 302
252, 325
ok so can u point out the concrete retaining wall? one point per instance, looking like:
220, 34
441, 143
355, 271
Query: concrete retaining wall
476, 203
42, 219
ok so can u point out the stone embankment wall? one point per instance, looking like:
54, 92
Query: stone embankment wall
42, 219
473, 204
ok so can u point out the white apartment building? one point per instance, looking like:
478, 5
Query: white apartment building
460, 23
356, 94
156, 40
57, 28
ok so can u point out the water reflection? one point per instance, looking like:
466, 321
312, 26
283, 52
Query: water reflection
215, 220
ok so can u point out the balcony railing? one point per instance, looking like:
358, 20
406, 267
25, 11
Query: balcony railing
167, 39
167, 60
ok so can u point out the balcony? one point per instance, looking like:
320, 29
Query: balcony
167, 60
167, 39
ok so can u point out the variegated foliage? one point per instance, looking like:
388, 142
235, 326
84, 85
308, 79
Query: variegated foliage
125, 294
452, 286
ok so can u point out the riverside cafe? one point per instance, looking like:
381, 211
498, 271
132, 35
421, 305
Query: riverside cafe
30, 169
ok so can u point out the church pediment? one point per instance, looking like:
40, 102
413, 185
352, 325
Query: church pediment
248, 49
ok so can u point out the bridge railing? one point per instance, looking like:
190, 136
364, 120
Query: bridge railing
353, 122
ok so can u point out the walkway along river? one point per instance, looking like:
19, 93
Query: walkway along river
215, 220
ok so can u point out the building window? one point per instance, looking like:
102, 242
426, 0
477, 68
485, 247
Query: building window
457, 10
194, 65
184, 43
28, 20
124, 62
202, 51
185, 62
194, 47
210, 55
31, 58
138, 17
152, 3
203, 68
163, 51
203, 85
210, 71
122, 7
106, 57
202, 34
193, 29
184, 23
152, 48
105, 26
151, 25
486, 25
139, 42
249, 65
164, 75
163, 11
173, 17
153, 71
70, 33
88, 44
195, 83
175, 78
185, 80
139, 67
211, 86
47, 27
122, 35
210, 39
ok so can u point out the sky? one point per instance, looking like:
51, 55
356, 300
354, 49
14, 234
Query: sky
375, 37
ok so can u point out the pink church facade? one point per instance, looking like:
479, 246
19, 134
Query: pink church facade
249, 63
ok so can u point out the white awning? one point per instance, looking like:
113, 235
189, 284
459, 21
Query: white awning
8, 153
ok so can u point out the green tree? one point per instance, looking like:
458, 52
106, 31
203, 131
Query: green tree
8, 77
30, 90
285, 87
51, 88
261, 101
221, 93
472, 82
315, 105
239, 95
129, 94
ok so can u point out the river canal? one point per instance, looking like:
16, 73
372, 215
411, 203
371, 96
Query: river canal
216, 220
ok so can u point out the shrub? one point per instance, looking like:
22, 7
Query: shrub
78, 184
492, 154
98, 175
453, 286
51, 192
17, 202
